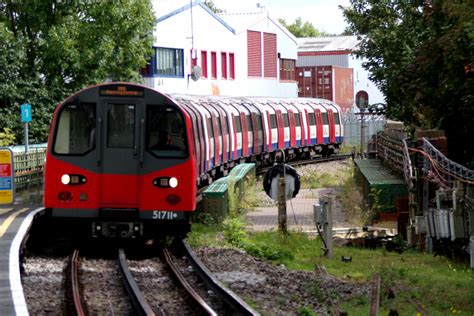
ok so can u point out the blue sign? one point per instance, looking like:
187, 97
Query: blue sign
5, 183
26, 114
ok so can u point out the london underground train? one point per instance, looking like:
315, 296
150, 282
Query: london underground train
124, 160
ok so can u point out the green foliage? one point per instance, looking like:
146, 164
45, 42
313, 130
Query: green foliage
305, 311
420, 54
300, 29
234, 232
265, 251
212, 6
50, 49
6, 137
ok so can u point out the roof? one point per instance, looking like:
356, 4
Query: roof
328, 44
193, 4
241, 22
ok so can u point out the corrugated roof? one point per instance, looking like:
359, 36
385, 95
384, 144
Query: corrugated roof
326, 44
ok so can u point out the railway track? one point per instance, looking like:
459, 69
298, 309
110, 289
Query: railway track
186, 290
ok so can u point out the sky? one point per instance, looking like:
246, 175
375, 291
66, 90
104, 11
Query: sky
325, 15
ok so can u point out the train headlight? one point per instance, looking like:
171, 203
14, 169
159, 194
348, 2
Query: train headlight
65, 179
173, 182
166, 182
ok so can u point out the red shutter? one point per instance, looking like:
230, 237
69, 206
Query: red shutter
224, 65
204, 64
213, 65
254, 52
231, 66
270, 55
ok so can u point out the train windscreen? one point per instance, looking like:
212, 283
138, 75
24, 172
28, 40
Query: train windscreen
165, 131
75, 129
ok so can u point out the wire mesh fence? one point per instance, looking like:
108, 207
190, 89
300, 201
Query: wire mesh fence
352, 127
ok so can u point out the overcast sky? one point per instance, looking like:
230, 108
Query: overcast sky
325, 15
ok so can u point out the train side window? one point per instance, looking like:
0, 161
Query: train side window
325, 118
238, 127
75, 132
258, 118
273, 120
165, 131
297, 119
120, 125
219, 128
210, 127
285, 119
312, 119
249, 123
336, 119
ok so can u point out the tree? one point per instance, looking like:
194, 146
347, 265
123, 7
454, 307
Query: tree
419, 55
62, 46
300, 29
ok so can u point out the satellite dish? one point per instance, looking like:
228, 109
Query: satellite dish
196, 73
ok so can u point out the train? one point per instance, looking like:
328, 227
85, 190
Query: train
125, 161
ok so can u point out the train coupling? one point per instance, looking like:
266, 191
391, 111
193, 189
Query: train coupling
117, 229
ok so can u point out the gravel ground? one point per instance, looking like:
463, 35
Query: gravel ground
275, 290
43, 285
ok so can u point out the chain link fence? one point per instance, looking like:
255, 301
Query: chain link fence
352, 127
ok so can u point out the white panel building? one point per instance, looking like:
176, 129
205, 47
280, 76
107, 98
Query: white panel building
238, 54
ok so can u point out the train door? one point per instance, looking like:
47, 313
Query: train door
119, 127
281, 129
291, 119
245, 134
320, 126
332, 127
216, 127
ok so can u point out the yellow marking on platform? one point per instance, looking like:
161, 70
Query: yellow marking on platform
5, 211
9, 220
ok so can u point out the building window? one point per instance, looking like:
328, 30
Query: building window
204, 63
287, 69
231, 66
213, 65
169, 62
224, 65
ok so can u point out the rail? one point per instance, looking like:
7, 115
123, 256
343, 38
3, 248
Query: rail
200, 303
217, 287
138, 300
73, 291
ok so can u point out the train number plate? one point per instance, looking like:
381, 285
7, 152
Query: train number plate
168, 215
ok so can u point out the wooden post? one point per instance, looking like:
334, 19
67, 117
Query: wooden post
282, 227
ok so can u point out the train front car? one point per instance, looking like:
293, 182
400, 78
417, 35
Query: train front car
120, 163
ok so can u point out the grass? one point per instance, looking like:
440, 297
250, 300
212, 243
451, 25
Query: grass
412, 276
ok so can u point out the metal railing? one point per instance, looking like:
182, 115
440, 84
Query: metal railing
29, 167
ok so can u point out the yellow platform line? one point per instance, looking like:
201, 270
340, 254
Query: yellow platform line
9, 220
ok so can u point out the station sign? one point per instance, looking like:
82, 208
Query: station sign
7, 177
26, 114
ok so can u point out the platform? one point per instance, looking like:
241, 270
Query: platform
15, 222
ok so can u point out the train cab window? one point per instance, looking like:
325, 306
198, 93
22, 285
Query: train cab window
249, 123
120, 125
325, 118
165, 131
312, 119
75, 132
297, 119
336, 119
238, 127
285, 120
273, 120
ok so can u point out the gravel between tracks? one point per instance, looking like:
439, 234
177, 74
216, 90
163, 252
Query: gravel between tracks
276, 290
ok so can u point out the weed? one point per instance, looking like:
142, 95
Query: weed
234, 232
305, 311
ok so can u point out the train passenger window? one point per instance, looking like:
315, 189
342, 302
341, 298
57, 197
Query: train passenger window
120, 125
75, 132
285, 120
165, 131
336, 118
259, 122
273, 120
249, 123
325, 118
210, 127
297, 119
219, 128
238, 127
312, 119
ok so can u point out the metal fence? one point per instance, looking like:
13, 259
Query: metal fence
29, 167
352, 127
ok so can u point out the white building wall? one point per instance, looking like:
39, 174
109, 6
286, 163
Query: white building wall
362, 81
212, 36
